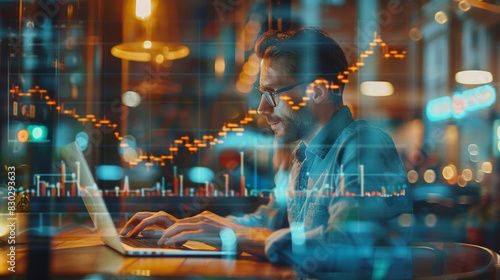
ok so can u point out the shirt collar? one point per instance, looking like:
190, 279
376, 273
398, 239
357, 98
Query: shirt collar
323, 141
300, 152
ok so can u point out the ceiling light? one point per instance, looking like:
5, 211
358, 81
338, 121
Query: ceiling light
473, 77
376, 88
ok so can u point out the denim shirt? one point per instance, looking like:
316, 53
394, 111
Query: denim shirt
342, 195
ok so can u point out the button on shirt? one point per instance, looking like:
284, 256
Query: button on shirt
342, 197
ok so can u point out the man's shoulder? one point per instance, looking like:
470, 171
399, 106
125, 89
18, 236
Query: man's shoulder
363, 130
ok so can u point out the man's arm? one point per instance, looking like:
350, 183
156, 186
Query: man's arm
271, 216
208, 228
251, 230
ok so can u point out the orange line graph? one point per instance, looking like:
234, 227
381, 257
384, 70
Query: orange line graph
207, 141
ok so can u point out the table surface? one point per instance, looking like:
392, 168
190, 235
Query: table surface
81, 252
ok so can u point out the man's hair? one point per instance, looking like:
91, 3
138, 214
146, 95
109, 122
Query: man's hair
307, 53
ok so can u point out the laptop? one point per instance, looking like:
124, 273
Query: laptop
77, 164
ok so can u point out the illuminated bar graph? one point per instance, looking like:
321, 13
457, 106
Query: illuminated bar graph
63, 177
242, 177
181, 182
226, 184
176, 182
47, 186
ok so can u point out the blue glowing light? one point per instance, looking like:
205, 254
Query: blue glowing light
459, 107
298, 237
109, 172
37, 132
480, 97
461, 103
281, 180
83, 140
228, 238
200, 174
496, 138
128, 141
439, 108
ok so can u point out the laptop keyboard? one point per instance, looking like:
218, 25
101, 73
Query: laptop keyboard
140, 242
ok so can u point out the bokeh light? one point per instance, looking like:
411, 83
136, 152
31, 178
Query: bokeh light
130, 154
487, 167
448, 172
474, 158
229, 158
82, 139
473, 149
22, 135
159, 58
429, 176
412, 176
243, 88
479, 176
405, 220
131, 99
37, 132
220, 66
430, 220
464, 5
415, 34
200, 174
467, 173
109, 172
441, 17
128, 141
461, 181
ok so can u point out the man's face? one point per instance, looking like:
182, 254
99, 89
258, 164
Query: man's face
288, 125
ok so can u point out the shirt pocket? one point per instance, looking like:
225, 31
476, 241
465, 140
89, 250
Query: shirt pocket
317, 215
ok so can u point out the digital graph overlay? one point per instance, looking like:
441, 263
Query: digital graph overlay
72, 188
193, 145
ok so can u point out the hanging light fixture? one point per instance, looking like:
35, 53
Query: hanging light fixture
140, 42
144, 51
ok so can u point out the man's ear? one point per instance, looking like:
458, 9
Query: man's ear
319, 92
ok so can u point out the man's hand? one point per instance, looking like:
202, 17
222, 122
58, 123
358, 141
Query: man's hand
206, 228
141, 220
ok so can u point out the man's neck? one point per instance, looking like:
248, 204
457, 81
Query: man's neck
323, 118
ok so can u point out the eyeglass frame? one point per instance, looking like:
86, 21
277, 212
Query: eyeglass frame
269, 96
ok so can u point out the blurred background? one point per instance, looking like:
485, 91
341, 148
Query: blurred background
160, 96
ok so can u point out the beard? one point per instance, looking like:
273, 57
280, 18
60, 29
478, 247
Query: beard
296, 125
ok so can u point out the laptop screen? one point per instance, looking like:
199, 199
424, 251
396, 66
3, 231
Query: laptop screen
92, 198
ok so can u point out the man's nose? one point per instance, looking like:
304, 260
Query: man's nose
264, 107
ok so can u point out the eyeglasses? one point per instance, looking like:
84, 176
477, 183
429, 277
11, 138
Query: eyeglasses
271, 96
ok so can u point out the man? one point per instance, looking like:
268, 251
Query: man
339, 214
